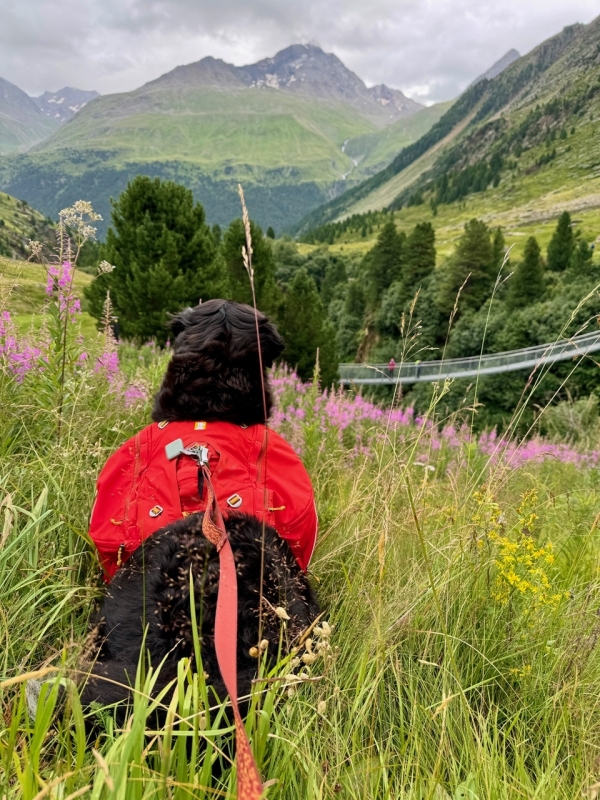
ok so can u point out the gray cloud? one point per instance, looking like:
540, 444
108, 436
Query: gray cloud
431, 49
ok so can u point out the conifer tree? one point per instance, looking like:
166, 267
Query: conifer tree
499, 249
305, 328
418, 257
164, 257
335, 273
528, 284
581, 260
473, 258
562, 244
384, 262
354, 302
267, 292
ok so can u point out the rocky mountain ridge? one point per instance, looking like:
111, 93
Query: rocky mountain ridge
302, 69
64, 104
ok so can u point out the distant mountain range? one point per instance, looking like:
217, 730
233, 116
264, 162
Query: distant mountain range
63, 105
295, 130
303, 70
528, 136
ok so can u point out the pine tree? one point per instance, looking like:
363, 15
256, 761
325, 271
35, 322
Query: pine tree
335, 273
270, 233
267, 292
383, 262
499, 249
528, 284
217, 234
562, 244
306, 329
355, 303
581, 260
418, 257
164, 254
473, 258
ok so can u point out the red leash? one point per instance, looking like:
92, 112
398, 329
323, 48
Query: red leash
249, 785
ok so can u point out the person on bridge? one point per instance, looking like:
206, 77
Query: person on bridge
391, 367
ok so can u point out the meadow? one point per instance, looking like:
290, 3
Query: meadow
459, 575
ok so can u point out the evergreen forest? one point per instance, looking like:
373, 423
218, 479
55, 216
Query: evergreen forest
397, 300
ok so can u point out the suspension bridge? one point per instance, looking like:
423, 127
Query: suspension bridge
492, 364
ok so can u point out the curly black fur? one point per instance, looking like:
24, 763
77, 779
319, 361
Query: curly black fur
152, 591
214, 373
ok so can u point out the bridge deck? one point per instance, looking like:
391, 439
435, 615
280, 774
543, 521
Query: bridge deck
509, 361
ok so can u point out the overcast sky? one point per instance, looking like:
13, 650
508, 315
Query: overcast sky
431, 49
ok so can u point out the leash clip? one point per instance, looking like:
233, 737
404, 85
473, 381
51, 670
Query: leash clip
199, 452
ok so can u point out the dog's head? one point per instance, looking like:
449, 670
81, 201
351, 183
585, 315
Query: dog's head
215, 373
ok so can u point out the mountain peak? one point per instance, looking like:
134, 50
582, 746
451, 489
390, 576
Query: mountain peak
64, 104
301, 64
397, 103
307, 69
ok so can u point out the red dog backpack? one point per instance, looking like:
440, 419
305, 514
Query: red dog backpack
153, 479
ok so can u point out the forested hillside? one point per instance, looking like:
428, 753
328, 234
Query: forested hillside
405, 299
508, 137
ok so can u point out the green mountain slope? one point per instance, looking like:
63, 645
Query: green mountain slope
279, 127
18, 224
372, 151
22, 124
218, 131
506, 142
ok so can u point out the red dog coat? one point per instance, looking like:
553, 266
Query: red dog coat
148, 483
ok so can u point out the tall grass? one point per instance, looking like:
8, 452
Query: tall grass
435, 682
463, 591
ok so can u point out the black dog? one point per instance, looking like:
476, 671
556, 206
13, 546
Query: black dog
148, 601
214, 374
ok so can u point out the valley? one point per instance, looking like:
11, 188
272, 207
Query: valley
458, 554
530, 135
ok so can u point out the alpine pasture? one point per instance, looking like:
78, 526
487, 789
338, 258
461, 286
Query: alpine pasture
459, 573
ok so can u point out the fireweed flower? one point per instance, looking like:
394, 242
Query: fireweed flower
358, 424
59, 285
108, 364
135, 393
18, 355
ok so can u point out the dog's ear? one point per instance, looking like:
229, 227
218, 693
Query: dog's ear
179, 322
271, 343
